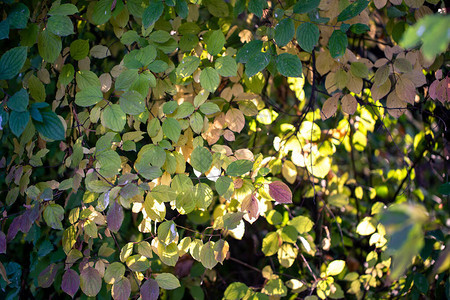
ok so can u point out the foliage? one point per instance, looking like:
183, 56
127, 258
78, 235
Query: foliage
235, 149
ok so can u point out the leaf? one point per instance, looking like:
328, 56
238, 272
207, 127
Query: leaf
172, 129
132, 103
209, 79
335, 267
236, 290
51, 127
63, 10
226, 66
60, 25
235, 119
359, 28
366, 226
138, 263
114, 118
152, 13
70, 282
47, 276
88, 96
100, 51
19, 101
90, 281
187, 66
359, 69
284, 32
4, 30
305, 6
49, 46
102, 12
257, 63
302, 224
338, 43
207, 256
443, 189
121, 290
115, 217
36, 89
18, 16
201, 159
280, 192
329, 107
248, 51
257, 7
12, 61
271, 243
215, 42
53, 215
209, 108
79, 49
224, 185
167, 281
150, 290
239, 167
289, 171
2, 242
307, 36
349, 104
352, 10
289, 65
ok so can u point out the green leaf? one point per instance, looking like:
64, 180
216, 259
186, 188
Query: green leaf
4, 30
275, 287
172, 129
209, 108
284, 32
352, 10
152, 13
335, 267
60, 25
181, 8
308, 36
88, 96
359, 28
226, 66
302, 224
201, 159
338, 43
207, 257
86, 79
248, 51
52, 127
36, 89
114, 118
187, 66
184, 110
239, 167
257, 63
132, 103
236, 290
126, 79
49, 46
257, 7
289, 65
66, 75
18, 16
138, 263
63, 10
12, 61
19, 101
209, 79
18, 121
359, 69
224, 184
79, 49
109, 163
444, 189
158, 66
196, 122
53, 215
169, 107
215, 42
167, 281
271, 243
102, 12
305, 6
217, 8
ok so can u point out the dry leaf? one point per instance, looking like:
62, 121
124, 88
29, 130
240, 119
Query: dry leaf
330, 106
395, 106
349, 104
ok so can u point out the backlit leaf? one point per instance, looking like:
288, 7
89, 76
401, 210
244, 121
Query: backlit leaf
280, 192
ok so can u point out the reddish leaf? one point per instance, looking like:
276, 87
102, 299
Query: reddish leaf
2, 242
121, 290
280, 192
183, 266
115, 217
47, 276
70, 282
150, 290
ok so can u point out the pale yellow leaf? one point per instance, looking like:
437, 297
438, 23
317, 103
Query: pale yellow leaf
289, 171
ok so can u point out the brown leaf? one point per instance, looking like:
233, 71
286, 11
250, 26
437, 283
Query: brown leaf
228, 135
330, 106
396, 107
349, 104
406, 90
235, 119
355, 84
379, 4
280, 192
379, 92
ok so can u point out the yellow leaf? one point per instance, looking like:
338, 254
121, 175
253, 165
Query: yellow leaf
366, 227
335, 267
289, 171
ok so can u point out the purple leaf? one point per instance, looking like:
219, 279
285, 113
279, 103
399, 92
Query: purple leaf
70, 282
2, 242
90, 281
121, 290
14, 228
47, 276
114, 218
280, 192
150, 290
